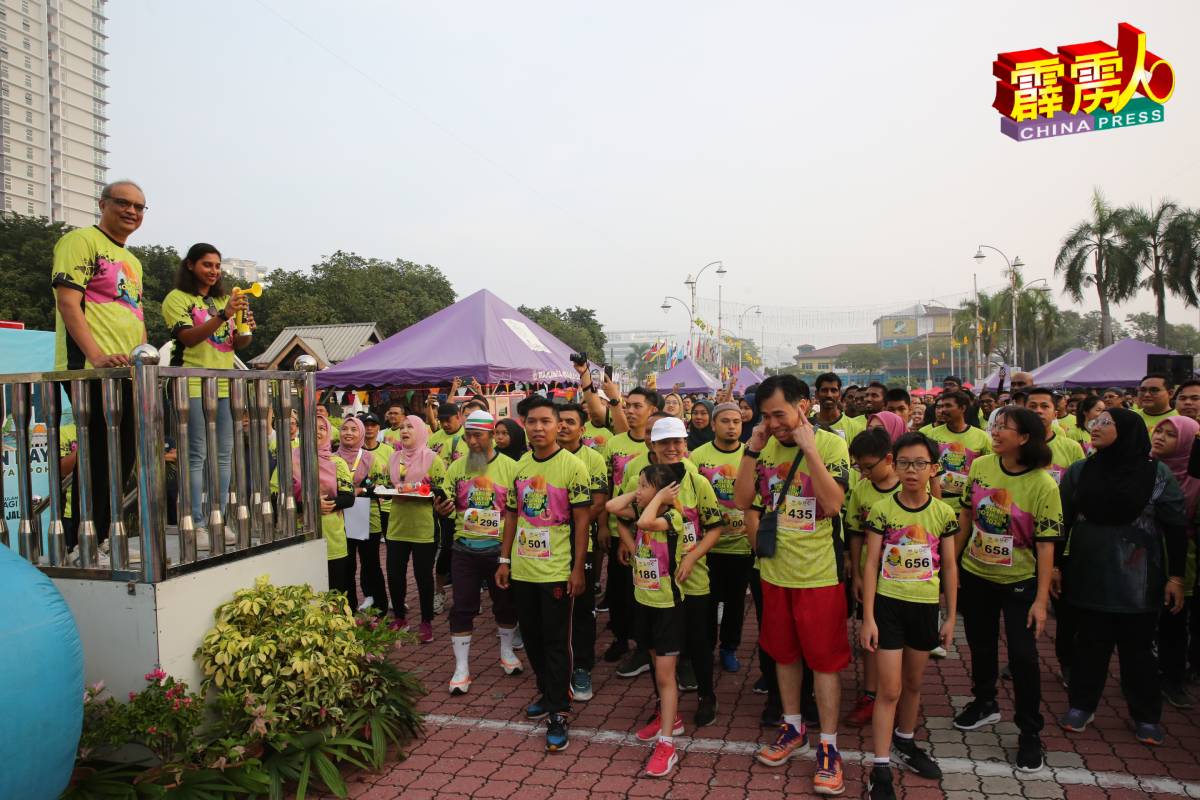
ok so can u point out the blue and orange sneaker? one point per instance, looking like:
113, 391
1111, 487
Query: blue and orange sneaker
828, 779
790, 742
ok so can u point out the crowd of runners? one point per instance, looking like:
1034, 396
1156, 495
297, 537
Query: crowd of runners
856, 504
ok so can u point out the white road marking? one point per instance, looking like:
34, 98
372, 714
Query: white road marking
983, 769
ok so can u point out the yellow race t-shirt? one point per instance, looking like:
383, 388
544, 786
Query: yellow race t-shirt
597, 471
110, 278
618, 452
411, 519
380, 457
1064, 452
859, 502
807, 545
449, 446
1152, 420
544, 495
595, 438
1012, 511
480, 500
956, 453
844, 426
720, 468
182, 310
653, 579
910, 556
333, 526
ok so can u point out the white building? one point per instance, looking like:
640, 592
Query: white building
620, 343
242, 270
53, 110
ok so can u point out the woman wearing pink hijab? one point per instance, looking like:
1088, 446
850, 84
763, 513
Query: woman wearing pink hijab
417, 473
367, 469
892, 423
337, 492
1171, 443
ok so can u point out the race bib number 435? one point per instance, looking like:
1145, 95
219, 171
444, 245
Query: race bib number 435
799, 514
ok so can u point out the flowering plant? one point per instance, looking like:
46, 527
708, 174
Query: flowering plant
162, 717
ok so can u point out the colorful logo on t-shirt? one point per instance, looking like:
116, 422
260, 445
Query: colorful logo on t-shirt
478, 492
721, 476
956, 457
995, 512
115, 282
619, 462
596, 441
220, 338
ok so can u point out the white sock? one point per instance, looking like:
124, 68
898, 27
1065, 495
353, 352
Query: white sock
667, 740
506, 642
795, 720
882, 761
900, 735
462, 656
829, 739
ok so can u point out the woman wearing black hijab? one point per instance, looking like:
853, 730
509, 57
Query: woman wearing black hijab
1124, 516
510, 440
700, 430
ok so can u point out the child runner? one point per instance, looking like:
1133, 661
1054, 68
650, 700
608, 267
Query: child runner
871, 452
910, 544
658, 572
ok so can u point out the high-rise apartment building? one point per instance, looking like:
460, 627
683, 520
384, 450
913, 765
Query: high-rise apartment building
52, 108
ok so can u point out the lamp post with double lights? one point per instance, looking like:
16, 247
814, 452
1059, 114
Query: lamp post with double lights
1012, 276
690, 281
741, 318
666, 307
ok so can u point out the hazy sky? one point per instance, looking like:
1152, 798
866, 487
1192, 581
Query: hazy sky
834, 156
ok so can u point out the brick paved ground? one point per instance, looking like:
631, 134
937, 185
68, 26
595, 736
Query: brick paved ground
479, 745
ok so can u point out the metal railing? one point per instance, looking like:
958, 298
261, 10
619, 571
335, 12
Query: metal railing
255, 517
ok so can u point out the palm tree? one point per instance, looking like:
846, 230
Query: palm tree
993, 317
1163, 242
1038, 319
633, 360
1113, 272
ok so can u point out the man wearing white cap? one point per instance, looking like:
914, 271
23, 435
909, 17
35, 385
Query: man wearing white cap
476, 492
703, 522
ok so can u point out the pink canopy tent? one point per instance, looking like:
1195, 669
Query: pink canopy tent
1121, 365
746, 377
691, 377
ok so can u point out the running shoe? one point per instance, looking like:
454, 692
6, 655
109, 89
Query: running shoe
1076, 720
426, 632
635, 663
760, 686
662, 760
615, 651
460, 685
772, 716
790, 742
1176, 695
556, 733
729, 660
879, 783
536, 709
906, 754
828, 779
1149, 733
367, 602
685, 676
650, 731
400, 624
977, 714
863, 710
581, 684
518, 640
1030, 753
938, 652
602, 604
513, 667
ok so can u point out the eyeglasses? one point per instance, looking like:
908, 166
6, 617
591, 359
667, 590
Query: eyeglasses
998, 427
865, 468
904, 465
1099, 422
124, 204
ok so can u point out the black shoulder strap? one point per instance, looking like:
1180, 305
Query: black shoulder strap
787, 484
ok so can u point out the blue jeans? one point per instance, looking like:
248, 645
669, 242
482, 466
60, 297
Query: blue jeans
198, 453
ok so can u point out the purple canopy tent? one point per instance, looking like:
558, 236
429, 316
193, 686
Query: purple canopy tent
480, 336
1121, 365
1056, 366
746, 377
693, 379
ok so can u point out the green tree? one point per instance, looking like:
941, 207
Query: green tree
1113, 273
576, 327
994, 316
1181, 338
26, 256
634, 362
862, 358
160, 265
1162, 240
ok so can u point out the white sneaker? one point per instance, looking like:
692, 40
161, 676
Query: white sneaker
203, 541
938, 652
518, 641
511, 666
366, 603
460, 684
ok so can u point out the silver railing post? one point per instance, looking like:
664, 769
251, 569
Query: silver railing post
212, 468
81, 407
118, 545
260, 418
4, 538
286, 518
239, 514
309, 479
183, 514
151, 477
52, 412
28, 548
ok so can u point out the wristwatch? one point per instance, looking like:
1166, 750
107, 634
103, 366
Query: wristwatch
504, 560
614, 401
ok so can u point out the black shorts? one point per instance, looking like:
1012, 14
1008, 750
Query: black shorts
659, 629
903, 623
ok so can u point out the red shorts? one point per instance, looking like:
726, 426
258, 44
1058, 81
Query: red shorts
808, 624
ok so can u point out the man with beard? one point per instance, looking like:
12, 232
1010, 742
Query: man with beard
571, 418
476, 489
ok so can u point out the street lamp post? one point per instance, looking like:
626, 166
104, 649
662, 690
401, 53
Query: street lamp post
978, 334
666, 306
691, 282
1012, 274
741, 318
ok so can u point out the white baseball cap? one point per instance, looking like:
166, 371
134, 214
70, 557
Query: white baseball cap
668, 428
